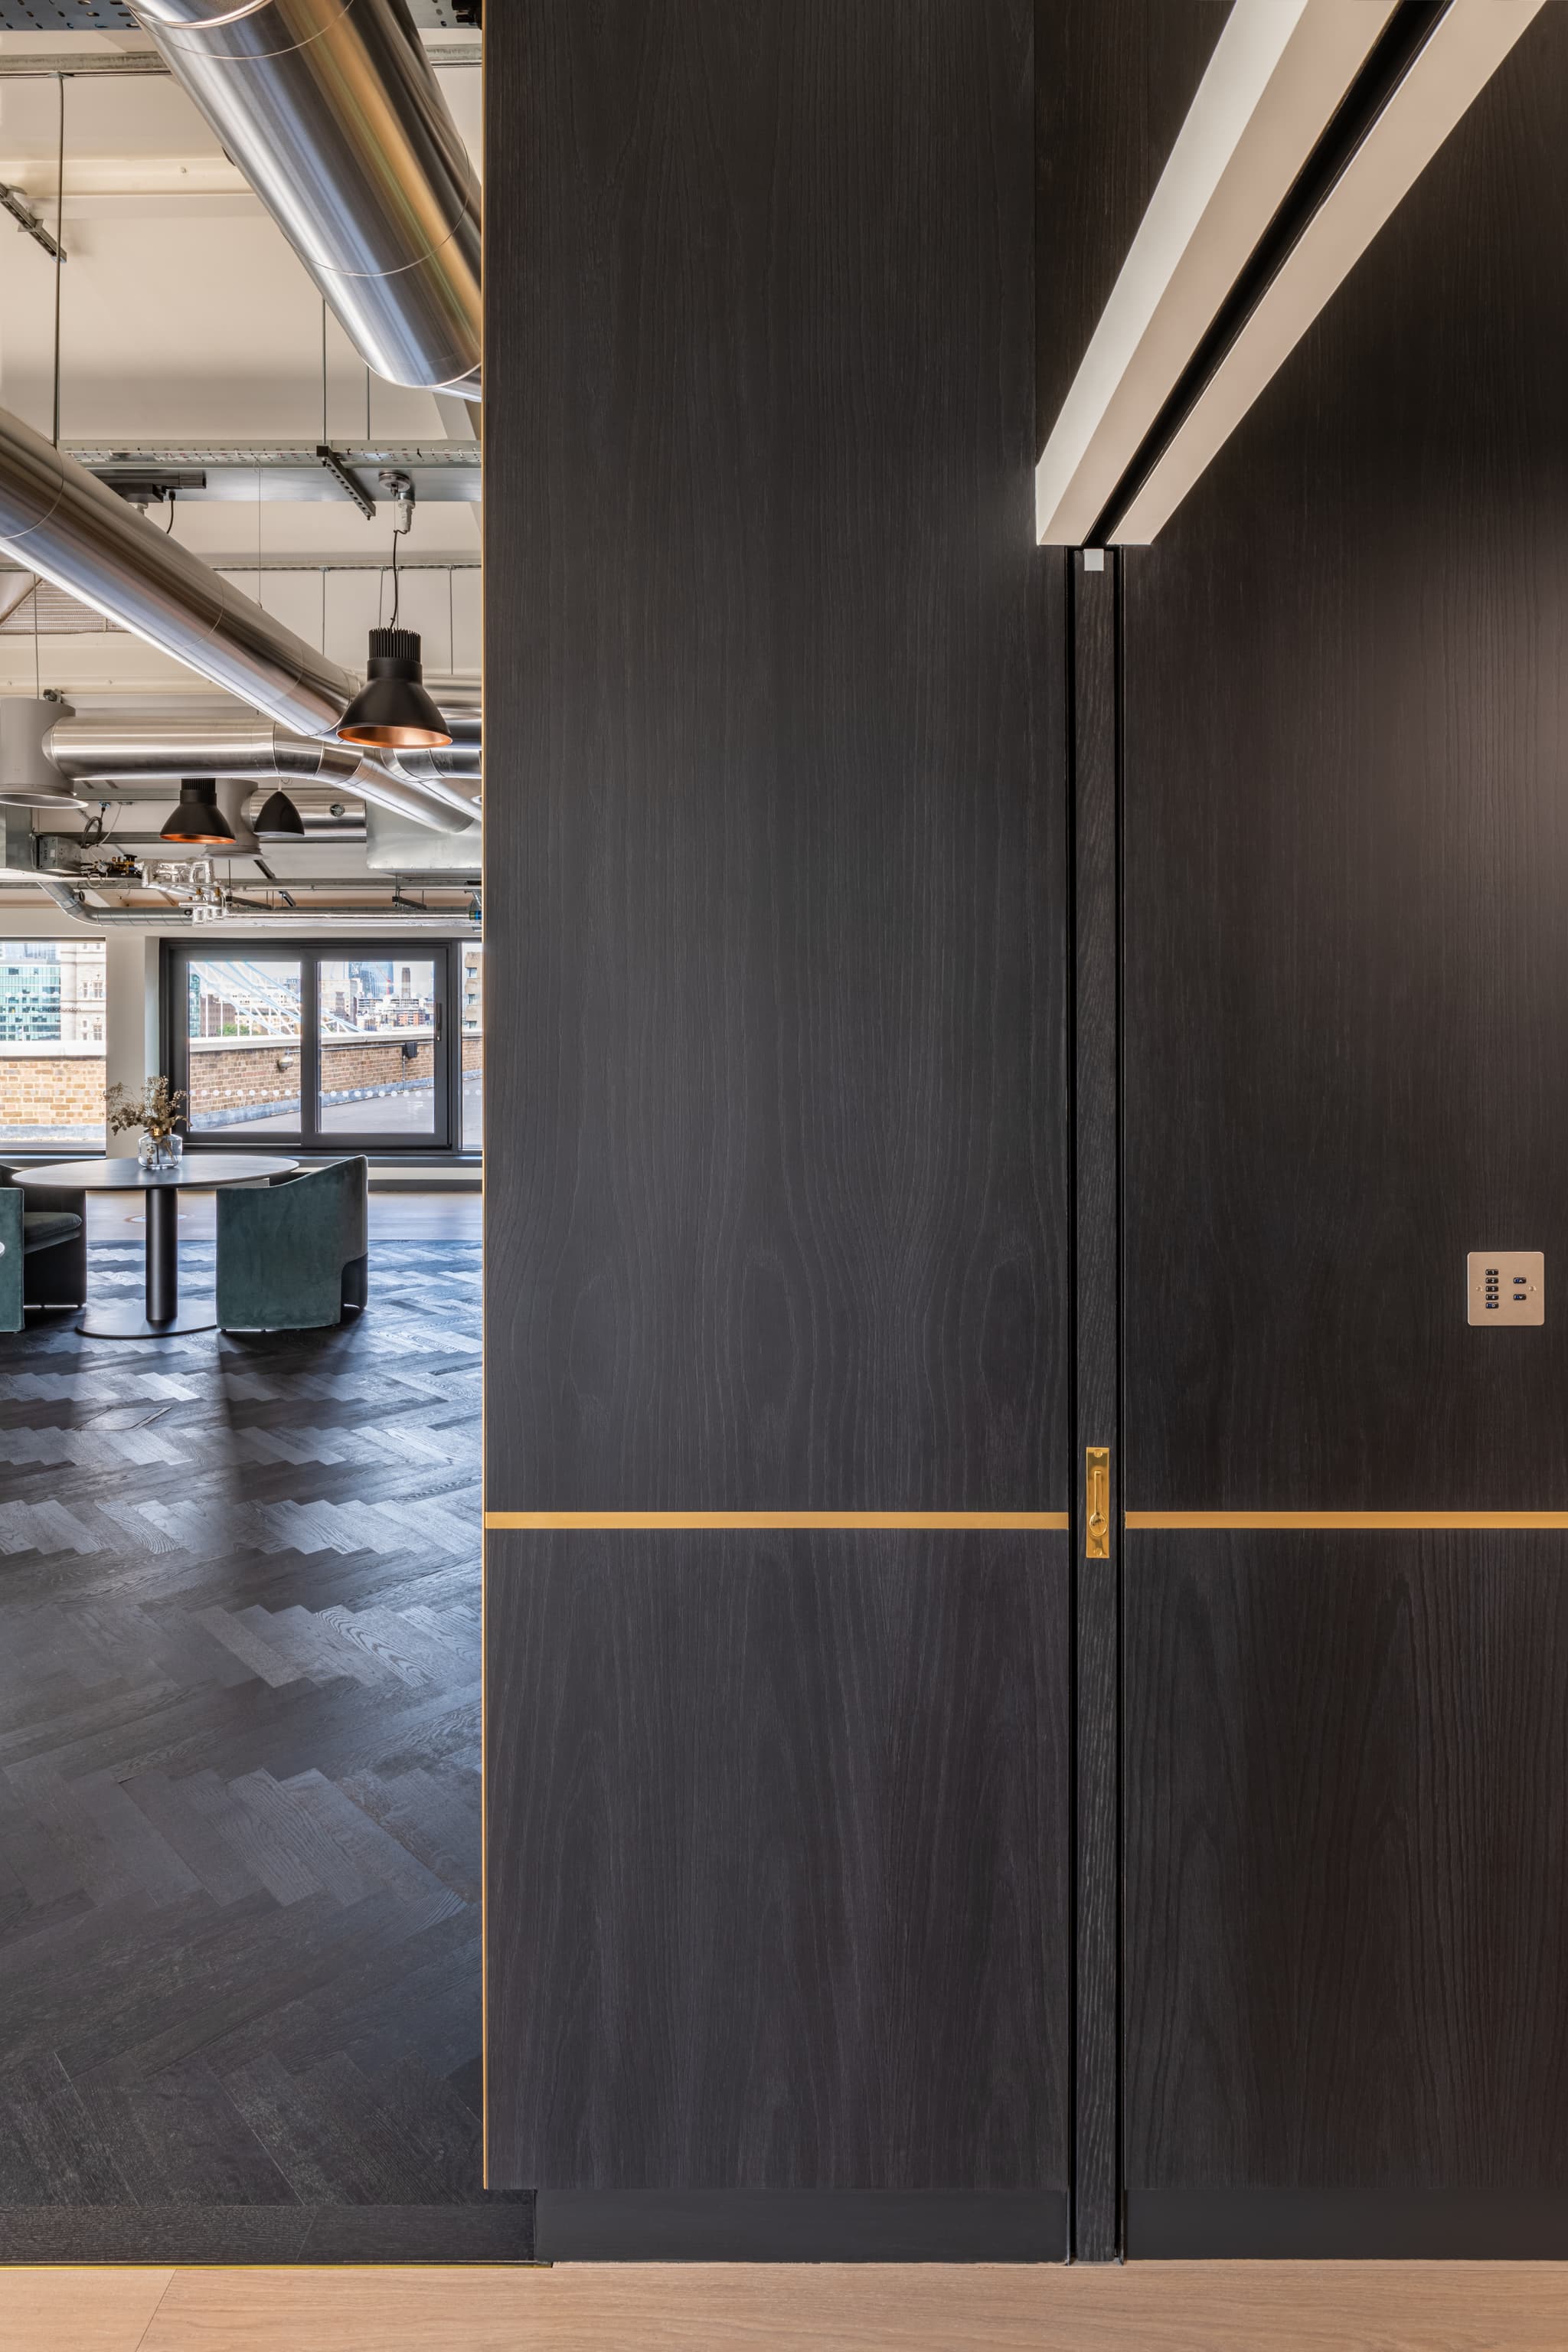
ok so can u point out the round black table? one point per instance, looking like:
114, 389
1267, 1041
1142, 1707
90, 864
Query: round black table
197, 1172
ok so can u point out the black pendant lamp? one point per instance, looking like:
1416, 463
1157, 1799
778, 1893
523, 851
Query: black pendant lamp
198, 822
392, 711
278, 819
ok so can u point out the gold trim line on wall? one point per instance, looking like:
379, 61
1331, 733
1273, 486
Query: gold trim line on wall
1349, 1522
938, 1522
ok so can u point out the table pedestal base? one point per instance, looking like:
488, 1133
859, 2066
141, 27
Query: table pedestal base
129, 1322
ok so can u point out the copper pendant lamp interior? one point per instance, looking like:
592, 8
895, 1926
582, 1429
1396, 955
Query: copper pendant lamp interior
198, 822
392, 711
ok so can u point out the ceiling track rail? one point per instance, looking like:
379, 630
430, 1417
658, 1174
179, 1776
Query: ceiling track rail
1388, 64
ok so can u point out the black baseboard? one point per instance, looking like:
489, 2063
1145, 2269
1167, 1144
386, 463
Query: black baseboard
1347, 2224
801, 2225
499, 2231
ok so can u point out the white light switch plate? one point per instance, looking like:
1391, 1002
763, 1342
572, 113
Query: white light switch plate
1506, 1285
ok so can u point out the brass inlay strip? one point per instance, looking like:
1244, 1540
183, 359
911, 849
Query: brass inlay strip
1022, 1522
1349, 1521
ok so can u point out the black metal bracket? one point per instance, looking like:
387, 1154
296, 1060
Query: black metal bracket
345, 480
13, 201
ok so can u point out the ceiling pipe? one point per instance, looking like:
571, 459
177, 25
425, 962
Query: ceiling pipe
60, 520
68, 901
315, 803
462, 758
376, 921
332, 110
162, 750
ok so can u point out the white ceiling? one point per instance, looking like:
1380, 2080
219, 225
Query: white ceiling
185, 313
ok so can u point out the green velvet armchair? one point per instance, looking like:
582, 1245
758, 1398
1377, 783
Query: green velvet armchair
43, 1248
292, 1254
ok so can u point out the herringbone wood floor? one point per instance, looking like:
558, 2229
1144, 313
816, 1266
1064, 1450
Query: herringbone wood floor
239, 1621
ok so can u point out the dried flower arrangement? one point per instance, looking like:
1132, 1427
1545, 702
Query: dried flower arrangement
157, 1108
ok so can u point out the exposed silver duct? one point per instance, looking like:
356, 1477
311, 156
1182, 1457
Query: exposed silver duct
331, 109
162, 750
462, 758
68, 901
316, 804
57, 518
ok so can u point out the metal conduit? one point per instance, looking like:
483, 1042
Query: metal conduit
60, 520
162, 750
57, 519
333, 114
462, 757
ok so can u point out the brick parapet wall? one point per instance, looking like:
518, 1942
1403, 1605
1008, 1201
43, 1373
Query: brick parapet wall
226, 1076
52, 1090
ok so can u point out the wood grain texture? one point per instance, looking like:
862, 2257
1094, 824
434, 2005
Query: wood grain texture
76, 2311
1114, 79
777, 1861
1095, 955
239, 1783
1347, 1920
1146, 2307
1347, 862
776, 1082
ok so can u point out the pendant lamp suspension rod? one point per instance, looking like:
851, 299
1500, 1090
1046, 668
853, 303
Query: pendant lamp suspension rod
59, 237
392, 712
400, 489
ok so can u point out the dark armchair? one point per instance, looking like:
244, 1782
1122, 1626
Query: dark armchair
293, 1254
43, 1248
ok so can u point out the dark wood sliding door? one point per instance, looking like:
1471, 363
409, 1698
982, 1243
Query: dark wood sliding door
778, 1628
1346, 996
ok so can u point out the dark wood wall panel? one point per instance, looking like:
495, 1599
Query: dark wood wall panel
1346, 873
777, 1861
1347, 1915
1345, 996
776, 1191
774, 816
1114, 81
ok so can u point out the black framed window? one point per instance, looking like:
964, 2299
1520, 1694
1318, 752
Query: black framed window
342, 1045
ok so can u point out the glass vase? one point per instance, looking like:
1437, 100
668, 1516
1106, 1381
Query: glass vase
158, 1152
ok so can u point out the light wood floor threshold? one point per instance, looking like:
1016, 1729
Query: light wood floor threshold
1147, 2307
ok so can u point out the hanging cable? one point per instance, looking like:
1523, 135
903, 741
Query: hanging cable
59, 242
400, 488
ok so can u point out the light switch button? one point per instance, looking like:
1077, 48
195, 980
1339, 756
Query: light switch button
1506, 1285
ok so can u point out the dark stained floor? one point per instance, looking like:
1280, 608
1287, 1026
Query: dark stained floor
239, 1812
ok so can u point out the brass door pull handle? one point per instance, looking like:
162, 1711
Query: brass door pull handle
1097, 1502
